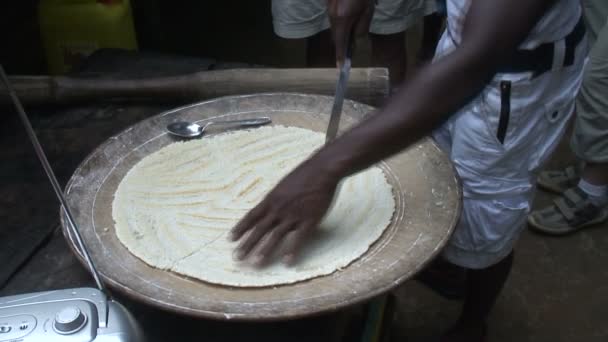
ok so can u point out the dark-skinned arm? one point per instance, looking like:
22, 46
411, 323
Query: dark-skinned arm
492, 32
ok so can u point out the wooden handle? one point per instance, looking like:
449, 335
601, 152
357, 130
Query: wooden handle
367, 85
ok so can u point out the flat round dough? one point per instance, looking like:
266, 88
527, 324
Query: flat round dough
175, 207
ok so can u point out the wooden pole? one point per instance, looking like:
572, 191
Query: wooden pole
367, 85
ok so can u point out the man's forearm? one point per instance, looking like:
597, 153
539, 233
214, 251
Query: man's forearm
420, 106
491, 32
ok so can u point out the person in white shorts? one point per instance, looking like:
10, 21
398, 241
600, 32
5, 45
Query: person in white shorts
296, 19
583, 193
497, 96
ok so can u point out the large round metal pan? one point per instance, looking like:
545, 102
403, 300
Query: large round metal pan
426, 190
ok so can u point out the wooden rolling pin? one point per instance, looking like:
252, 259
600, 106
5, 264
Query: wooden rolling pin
367, 85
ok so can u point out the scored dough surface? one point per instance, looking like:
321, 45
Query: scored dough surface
175, 207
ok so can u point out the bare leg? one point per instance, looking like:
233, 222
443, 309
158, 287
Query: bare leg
596, 174
432, 31
483, 288
388, 50
320, 52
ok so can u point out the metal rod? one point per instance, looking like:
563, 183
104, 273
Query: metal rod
49, 172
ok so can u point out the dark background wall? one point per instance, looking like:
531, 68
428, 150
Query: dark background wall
233, 30
228, 30
20, 47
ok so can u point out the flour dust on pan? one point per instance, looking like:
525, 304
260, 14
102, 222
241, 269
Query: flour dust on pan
175, 208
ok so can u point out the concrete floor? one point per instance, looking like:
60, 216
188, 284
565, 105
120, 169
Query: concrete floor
558, 291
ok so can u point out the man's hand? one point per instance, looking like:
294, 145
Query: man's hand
348, 17
288, 214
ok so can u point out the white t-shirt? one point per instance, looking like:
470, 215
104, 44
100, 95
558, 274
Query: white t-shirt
553, 26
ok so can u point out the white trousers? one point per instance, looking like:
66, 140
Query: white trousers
304, 18
497, 159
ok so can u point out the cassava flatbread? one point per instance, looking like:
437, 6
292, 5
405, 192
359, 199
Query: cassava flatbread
175, 207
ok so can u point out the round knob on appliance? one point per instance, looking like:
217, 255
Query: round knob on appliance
69, 320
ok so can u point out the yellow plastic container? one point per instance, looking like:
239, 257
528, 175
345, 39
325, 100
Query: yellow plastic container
73, 29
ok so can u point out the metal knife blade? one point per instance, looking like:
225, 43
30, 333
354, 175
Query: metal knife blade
336, 111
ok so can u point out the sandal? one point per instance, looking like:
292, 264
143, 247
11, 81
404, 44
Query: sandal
559, 181
569, 213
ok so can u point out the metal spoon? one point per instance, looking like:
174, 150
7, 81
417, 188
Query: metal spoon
190, 130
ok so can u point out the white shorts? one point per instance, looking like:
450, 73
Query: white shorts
305, 18
499, 177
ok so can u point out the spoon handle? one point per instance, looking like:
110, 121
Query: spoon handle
242, 123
